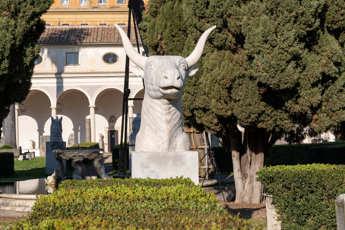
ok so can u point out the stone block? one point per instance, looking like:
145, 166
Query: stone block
34, 186
51, 162
272, 217
340, 210
43, 143
165, 165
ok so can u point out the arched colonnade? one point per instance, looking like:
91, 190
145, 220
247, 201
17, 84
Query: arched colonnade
85, 116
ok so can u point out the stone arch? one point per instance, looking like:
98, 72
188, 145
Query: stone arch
102, 90
52, 101
74, 88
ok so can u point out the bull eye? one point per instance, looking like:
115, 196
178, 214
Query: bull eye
183, 66
152, 66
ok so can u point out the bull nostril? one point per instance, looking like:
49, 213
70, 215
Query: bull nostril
165, 77
178, 77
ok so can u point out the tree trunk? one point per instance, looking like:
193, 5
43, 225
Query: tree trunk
248, 158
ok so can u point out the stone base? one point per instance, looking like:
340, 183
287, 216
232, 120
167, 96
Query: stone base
51, 162
165, 165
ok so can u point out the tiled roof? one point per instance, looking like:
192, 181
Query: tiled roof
69, 35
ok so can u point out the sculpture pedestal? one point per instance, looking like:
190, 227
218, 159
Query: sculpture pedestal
165, 165
51, 162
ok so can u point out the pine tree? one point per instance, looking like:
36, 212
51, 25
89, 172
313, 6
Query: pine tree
20, 29
274, 67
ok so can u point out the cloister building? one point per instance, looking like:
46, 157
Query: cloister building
79, 76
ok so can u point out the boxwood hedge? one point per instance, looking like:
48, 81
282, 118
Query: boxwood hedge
6, 164
86, 145
130, 204
304, 195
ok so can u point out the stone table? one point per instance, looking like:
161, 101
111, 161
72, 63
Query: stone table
77, 156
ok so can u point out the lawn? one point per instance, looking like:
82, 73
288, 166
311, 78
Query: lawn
28, 169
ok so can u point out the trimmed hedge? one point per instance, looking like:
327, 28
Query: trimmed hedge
87, 145
304, 195
331, 155
130, 204
6, 164
296, 154
327, 153
6, 147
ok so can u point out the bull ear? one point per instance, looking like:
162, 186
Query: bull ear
137, 71
193, 70
52, 118
61, 118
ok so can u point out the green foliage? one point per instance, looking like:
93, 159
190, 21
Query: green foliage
20, 29
86, 145
299, 154
6, 147
329, 155
6, 164
304, 195
130, 204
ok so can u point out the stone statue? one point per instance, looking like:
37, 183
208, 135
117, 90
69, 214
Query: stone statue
162, 123
135, 127
101, 141
32, 144
56, 130
70, 141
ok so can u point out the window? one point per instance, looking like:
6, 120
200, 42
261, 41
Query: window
83, 1
84, 24
72, 58
102, 1
38, 60
110, 58
102, 24
65, 24
121, 1
65, 1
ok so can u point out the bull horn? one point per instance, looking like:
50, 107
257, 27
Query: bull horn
130, 51
199, 48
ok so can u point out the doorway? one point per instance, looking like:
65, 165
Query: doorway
112, 139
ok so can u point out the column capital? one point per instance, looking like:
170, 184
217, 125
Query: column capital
53, 107
92, 106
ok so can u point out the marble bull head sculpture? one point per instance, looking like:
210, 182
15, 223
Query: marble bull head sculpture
161, 127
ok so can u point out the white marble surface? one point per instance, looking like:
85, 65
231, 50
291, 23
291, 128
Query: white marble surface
161, 128
157, 165
340, 210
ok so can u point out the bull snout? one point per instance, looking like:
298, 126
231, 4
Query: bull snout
171, 80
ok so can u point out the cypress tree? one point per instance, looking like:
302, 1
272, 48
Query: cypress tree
273, 67
20, 29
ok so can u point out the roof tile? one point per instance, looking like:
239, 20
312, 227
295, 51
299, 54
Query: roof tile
70, 35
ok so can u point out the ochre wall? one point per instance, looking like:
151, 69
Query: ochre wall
92, 13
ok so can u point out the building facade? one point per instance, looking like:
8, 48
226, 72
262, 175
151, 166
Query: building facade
79, 76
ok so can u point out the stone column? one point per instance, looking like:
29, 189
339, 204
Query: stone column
17, 124
9, 128
340, 210
130, 118
92, 121
88, 130
53, 108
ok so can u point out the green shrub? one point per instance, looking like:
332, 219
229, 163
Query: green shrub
304, 195
6, 164
87, 145
295, 154
329, 155
6, 147
130, 204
